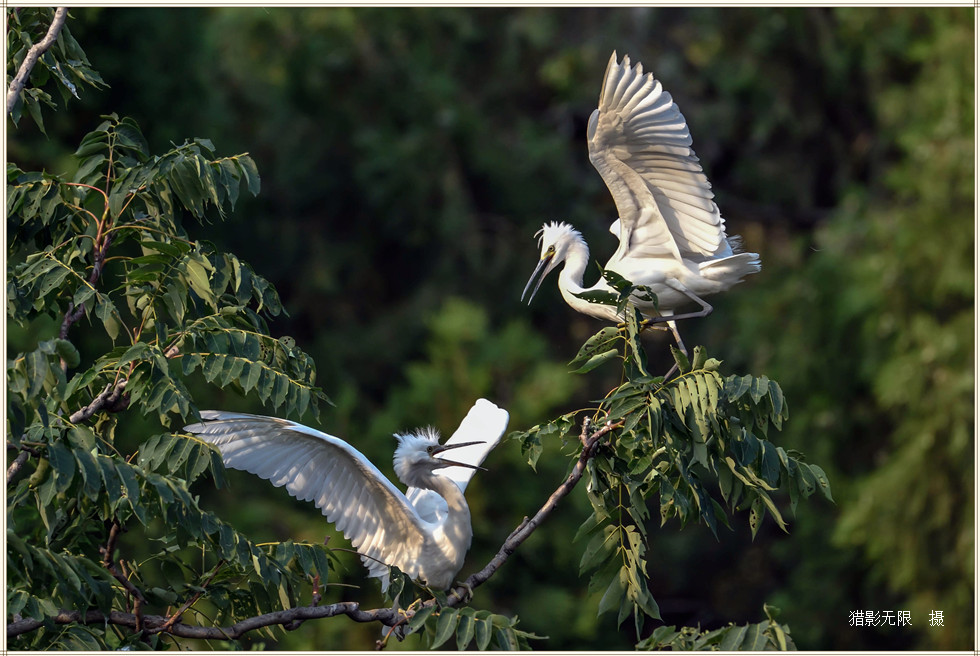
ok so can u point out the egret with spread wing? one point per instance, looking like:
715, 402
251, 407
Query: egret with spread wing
671, 235
425, 533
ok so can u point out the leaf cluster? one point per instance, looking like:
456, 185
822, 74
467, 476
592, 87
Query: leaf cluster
164, 299
768, 635
696, 445
80, 491
107, 244
64, 65
480, 627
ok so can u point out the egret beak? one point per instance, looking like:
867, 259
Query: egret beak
543, 269
452, 463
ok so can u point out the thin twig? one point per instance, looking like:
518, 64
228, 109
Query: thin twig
110, 564
190, 602
38, 49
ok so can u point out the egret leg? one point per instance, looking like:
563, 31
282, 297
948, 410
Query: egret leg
672, 324
706, 308
671, 319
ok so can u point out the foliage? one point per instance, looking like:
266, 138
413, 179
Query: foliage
107, 244
482, 628
768, 635
671, 437
63, 66
408, 155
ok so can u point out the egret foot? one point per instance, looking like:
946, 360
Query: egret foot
469, 591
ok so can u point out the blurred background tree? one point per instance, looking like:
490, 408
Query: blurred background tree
407, 157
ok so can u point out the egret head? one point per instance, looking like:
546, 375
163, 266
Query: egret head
554, 239
417, 456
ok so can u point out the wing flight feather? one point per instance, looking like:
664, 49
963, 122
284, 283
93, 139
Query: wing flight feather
484, 423
313, 466
640, 144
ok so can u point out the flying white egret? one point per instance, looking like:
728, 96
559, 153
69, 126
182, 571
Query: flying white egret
671, 234
425, 533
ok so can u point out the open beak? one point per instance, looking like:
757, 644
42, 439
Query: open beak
450, 463
540, 272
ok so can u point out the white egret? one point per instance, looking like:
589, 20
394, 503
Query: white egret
671, 235
425, 533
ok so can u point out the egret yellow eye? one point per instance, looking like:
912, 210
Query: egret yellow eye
551, 250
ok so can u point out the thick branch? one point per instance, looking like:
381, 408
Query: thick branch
155, 623
38, 49
16, 465
294, 616
109, 398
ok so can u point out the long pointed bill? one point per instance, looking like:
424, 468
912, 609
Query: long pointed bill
451, 463
542, 270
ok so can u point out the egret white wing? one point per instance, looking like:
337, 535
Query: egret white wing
313, 466
484, 423
641, 146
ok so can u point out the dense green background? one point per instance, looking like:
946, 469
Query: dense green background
407, 157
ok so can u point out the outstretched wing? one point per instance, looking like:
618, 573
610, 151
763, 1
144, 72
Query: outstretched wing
640, 144
484, 423
313, 466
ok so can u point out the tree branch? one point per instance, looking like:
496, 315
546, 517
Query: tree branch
109, 398
73, 313
292, 617
155, 623
16, 465
38, 49
110, 565
528, 526
173, 619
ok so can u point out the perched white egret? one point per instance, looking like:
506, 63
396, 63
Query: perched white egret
671, 234
425, 533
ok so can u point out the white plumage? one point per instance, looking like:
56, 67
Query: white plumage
671, 234
425, 533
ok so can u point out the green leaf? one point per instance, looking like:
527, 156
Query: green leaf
62, 464
756, 514
465, 630
90, 472
596, 344
755, 638
599, 297
483, 629
733, 637
251, 174
596, 360
822, 480
445, 626
600, 548
419, 618
614, 592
